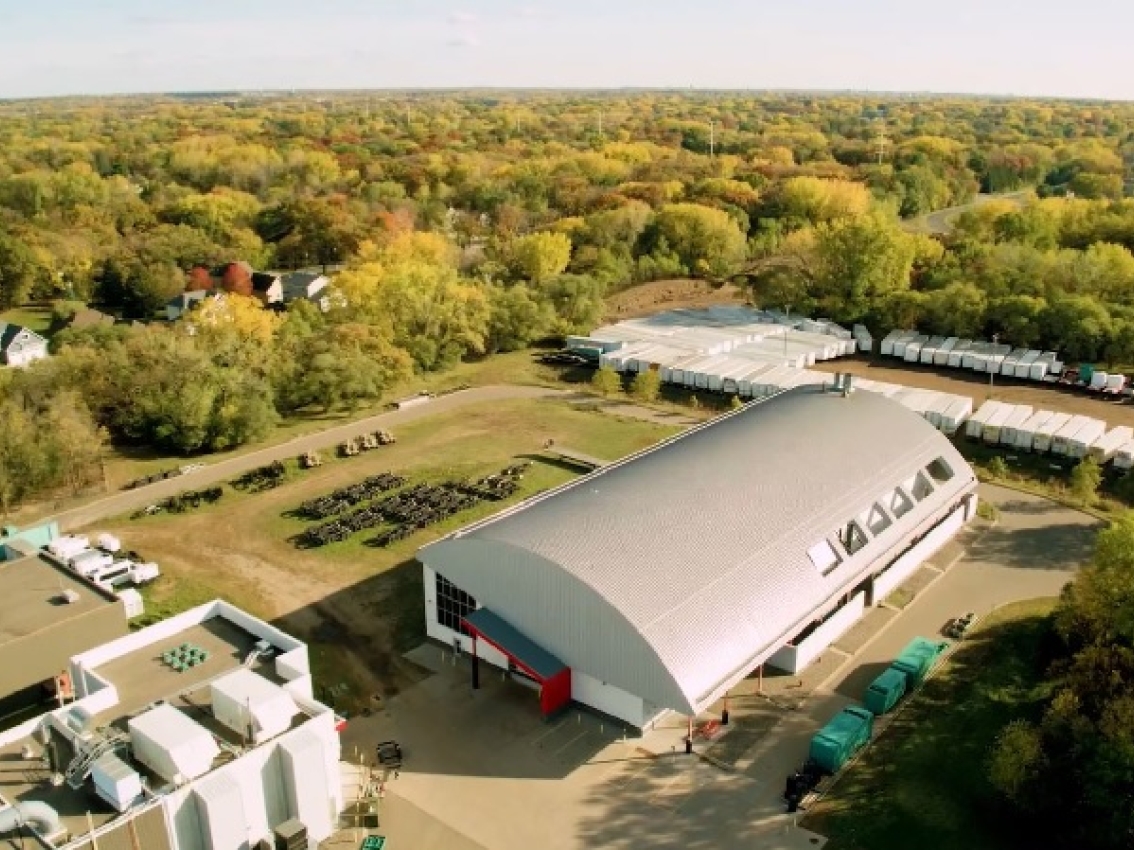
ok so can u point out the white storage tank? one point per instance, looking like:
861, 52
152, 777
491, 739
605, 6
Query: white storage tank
914, 347
1045, 433
990, 433
251, 706
1107, 446
974, 427
958, 353
1010, 430
929, 350
1026, 433
1061, 440
941, 356
1025, 363
1124, 457
1079, 446
956, 414
172, 745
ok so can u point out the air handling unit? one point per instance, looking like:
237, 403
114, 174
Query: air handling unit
172, 745
251, 706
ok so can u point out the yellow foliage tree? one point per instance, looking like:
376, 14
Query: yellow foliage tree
539, 256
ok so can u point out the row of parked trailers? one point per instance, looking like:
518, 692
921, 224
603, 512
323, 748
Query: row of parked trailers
1019, 426
975, 355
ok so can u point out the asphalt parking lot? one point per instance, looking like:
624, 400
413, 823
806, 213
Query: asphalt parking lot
484, 771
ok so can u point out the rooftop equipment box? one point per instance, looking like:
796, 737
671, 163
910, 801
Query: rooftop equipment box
251, 706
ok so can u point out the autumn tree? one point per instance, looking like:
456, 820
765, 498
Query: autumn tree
646, 386
707, 240
606, 382
539, 256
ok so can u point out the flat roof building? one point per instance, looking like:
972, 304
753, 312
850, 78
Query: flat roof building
49, 613
197, 732
659, 582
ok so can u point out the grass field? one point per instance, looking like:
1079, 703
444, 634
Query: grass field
923, 783
520, 367
36, 319
360, 606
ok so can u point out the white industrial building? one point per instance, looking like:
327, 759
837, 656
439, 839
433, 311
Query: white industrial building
197, 733
657, 583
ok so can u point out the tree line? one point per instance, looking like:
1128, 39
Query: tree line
1067, 769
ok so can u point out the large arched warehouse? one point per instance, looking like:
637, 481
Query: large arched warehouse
659, 582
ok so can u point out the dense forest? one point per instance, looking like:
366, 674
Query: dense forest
458, 225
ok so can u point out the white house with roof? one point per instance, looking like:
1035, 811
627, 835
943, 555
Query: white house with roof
658, 583
20, 346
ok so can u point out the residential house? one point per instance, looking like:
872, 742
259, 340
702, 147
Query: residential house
20, 346
309, 286
268, 287
183, 302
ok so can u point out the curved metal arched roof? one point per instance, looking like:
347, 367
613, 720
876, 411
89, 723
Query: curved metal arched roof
674, 572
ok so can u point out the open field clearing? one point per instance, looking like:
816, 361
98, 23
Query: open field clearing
361, 606
646, 298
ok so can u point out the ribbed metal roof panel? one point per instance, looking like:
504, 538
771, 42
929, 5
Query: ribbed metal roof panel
700, 545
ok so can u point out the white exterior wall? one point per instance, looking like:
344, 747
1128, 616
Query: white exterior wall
794, 658
608, 699
907, 564
449, 637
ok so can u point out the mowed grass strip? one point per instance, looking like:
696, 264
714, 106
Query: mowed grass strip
923, 783
192, 548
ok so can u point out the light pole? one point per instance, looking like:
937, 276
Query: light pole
787, 316
991, 373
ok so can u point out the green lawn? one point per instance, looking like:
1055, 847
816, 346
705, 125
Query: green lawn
922, 784
127, 464
36, 319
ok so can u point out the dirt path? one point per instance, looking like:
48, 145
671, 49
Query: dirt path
975, 385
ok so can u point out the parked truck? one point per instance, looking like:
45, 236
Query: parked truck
847, 733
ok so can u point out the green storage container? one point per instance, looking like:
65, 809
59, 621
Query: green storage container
917, 659
847, 733
885, 691
590, 352
1086, 372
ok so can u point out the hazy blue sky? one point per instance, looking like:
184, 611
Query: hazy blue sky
1038, 47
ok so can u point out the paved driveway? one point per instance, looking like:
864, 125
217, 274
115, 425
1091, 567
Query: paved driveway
485, 766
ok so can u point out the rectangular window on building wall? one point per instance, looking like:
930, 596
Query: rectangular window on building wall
453, 605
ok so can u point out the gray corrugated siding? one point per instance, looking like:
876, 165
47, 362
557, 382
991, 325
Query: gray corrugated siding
666, 574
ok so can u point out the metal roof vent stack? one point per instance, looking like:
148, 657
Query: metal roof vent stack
848, 387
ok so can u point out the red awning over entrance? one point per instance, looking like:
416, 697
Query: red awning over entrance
552, 675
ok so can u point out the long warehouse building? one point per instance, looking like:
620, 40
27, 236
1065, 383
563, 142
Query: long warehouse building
659, 582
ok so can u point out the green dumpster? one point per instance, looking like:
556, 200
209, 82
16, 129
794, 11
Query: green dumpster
885, 691
847, 733
917, 659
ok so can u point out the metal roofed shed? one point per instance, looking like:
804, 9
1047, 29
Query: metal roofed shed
251, 706
173, 746
670, 575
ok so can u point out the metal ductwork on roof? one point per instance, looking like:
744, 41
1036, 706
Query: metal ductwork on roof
39, 815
